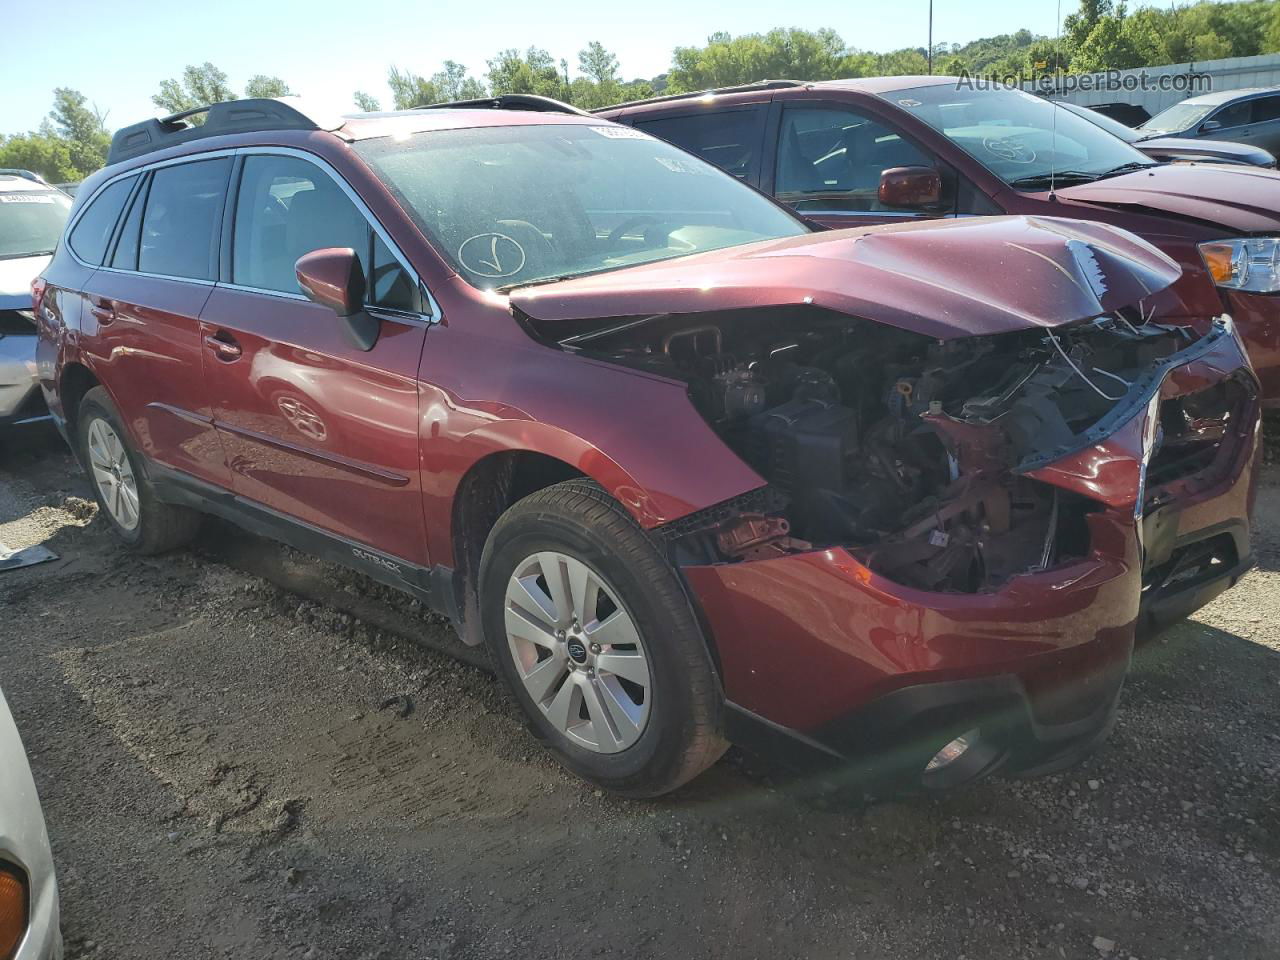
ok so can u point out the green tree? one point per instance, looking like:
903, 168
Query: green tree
1271, 38
409, 89
534, 71
83, 129
366, 102
43, 152
200, 85
598, 65
454, 83
902, 63
1107, 47
778, 54
1077, 26
1146, 32
260, 85
1210, 46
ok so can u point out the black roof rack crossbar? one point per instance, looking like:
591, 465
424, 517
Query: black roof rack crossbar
231, 116
508, 101
740, 88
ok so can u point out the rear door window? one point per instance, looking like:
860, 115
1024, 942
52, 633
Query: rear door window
288, 207
181, 222
1266, 109
92, 232
730, 139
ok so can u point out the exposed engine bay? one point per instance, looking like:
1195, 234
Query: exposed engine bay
906, 450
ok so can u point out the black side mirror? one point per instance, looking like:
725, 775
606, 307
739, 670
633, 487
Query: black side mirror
1210, 126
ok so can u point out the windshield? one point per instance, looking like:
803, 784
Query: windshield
31, 222
1109, 124
513, 205
1019, 137
1179, 117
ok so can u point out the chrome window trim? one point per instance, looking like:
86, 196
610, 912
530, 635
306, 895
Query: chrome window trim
135, 172
157, 276
431, 317
245, 288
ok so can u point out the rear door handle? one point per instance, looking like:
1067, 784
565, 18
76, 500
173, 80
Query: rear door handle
224, 345
104, 310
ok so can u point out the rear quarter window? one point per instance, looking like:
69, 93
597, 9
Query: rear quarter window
92, 232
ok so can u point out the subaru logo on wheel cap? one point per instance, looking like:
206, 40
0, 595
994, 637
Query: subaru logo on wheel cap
578, 651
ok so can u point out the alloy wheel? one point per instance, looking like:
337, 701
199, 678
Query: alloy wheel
578, 652
113, 474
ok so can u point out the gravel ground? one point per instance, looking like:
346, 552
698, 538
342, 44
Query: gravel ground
246, 753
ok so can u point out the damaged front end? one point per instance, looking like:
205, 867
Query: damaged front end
927, 460
959, 528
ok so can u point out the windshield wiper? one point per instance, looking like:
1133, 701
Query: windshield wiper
1052, 179
537, 282
1128, 168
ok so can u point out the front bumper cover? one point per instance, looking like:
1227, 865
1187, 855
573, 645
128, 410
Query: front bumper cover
821, 656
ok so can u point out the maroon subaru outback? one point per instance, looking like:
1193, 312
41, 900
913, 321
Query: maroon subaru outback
691, 471
899, 149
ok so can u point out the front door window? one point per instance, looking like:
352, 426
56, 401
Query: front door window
831, 160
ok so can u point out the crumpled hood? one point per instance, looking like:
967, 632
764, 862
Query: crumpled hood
1238, 199
944, 279
15, 281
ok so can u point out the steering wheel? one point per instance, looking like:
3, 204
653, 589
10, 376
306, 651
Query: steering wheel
618, 232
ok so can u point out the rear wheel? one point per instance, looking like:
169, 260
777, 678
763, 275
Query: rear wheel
589, 628
124, 494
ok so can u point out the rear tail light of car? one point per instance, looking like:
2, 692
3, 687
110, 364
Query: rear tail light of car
38, 287
13, 909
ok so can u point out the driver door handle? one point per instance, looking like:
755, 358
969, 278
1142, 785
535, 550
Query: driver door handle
224, 346
103, 309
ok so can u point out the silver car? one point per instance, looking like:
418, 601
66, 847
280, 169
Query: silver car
28, 891
32, 215
1250, 117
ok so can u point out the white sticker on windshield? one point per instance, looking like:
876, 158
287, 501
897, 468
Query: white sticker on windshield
681, 165
621, 133
26, 198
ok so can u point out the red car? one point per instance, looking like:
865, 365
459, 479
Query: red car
692, 471
897, 149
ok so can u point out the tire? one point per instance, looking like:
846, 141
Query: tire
669, 730
145, 524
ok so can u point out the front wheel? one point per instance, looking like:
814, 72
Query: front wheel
588, 626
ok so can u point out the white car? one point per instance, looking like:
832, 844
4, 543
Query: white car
32, 215
28, 891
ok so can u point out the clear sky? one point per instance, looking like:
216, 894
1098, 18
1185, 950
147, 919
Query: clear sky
116, 53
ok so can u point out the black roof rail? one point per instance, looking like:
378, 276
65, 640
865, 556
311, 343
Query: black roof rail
230, 116
740, 88
508, 101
